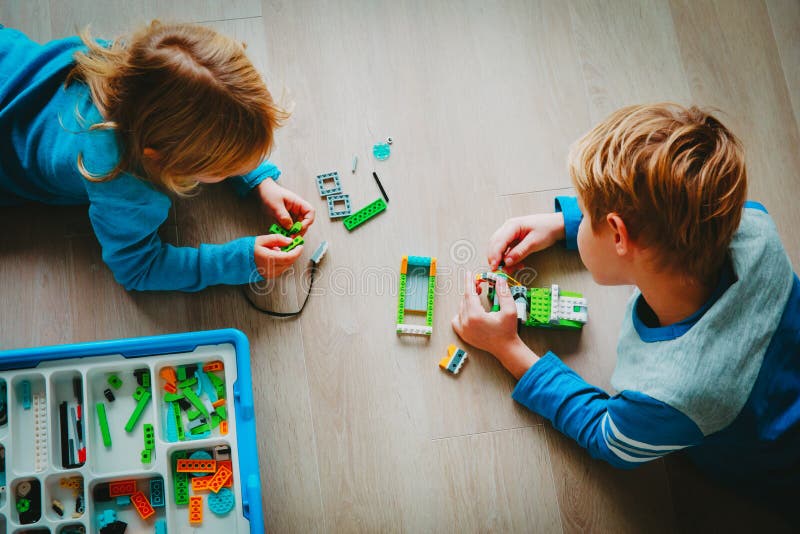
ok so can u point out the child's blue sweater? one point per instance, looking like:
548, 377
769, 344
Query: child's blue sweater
44, 127
733, 402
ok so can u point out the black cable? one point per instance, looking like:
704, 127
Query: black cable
283, 315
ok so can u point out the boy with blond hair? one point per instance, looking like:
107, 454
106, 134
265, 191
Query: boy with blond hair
708, 358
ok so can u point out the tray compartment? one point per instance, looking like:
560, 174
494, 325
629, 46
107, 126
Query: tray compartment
68, 420
129, 386
29, 423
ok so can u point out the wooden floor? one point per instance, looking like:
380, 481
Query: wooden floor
360, 430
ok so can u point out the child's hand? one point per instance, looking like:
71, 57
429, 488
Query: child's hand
521, 236
270, 259
285, 205
494, 332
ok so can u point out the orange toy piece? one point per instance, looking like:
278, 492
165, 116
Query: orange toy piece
229, 465
222, 476
168, 374
223, 428
201, 483
216, 365
170, 388
197, 466
121, 487
142, 505
195, 510
217, 404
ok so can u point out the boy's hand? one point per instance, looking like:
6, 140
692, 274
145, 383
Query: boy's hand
285, 205
521, 236
494, 332
270, 259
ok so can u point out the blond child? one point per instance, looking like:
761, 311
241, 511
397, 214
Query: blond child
708, 359
124, 125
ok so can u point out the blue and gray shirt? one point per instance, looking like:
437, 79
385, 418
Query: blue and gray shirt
723, 384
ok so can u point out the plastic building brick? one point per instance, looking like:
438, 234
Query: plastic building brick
542, 307
149, 437
157, 496
343, 211
222, 452
109, 395
221, 503
106, 518
57, 507
146, 456
160, 526
181, 375
102, 420
189, 382
170, 388
121, 487
277, 229
180, 483
197, 466
223, 428
168, 374
142, 505
417, 291
381, 151
329, 184
176, 417
73, 483
296, 228
296, 242
40, 434
25, 394
221, 477
216, 365
195, 400
201, 483
195, 510
123, 501
114, 381
143, 397
318, 254
364, 214
454, 360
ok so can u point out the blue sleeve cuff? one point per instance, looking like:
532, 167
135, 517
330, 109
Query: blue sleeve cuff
572, 219
752, 204
245, 183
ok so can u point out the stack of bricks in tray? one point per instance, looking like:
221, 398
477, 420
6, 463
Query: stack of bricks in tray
194, 401
203, 472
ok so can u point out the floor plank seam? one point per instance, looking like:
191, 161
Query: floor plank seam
443, 438
535, 191
313, 430
553, 481
228, 20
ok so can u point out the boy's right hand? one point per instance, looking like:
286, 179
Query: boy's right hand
271, 261
521, 236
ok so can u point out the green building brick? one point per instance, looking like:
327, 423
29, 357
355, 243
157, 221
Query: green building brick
176, 414
296, 242
102, 420
431, 294
114, 381
143, 399
180, 481
364, 214
401, 300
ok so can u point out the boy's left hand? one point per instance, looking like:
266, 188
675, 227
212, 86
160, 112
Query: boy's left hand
285, 205
494, 332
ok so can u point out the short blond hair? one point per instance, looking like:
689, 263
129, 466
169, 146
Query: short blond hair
185, 91
675, 175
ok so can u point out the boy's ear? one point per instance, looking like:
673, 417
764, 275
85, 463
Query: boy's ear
622, 241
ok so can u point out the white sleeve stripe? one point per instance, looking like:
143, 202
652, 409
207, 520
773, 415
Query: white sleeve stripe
622, 455
639, 444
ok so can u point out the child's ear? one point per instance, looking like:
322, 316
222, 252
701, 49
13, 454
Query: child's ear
622, 241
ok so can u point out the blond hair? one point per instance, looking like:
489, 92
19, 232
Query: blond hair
185, 91
675, 175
